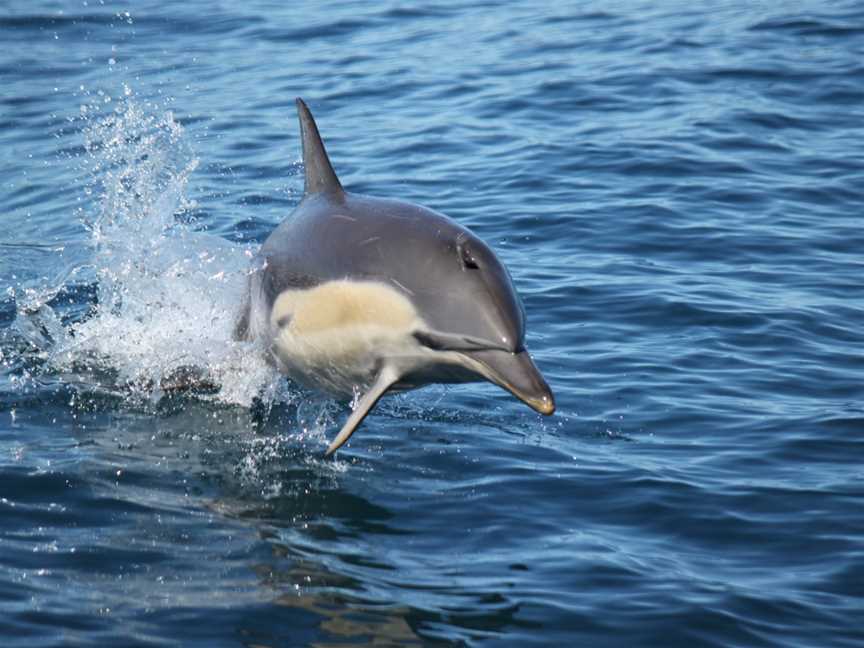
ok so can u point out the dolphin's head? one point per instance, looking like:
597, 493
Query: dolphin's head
471, 310
474, 296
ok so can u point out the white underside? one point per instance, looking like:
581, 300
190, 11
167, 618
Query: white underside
343, 360
338, 336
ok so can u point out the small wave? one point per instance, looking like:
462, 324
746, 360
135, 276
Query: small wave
808, 27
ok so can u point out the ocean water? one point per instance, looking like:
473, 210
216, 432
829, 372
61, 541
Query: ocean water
678, 191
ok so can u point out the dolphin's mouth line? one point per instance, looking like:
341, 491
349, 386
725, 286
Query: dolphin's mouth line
439, 341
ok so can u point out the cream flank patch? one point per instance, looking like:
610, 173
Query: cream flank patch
343, 304
342, 327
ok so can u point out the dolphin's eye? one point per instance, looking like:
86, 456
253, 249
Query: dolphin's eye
468, 259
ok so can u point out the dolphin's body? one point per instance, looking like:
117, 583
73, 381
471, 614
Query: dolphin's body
360, 295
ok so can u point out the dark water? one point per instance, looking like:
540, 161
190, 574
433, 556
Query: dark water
678, 193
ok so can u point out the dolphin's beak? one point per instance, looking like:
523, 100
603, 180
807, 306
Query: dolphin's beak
517, 373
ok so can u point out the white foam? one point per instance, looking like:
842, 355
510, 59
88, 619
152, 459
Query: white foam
168, 294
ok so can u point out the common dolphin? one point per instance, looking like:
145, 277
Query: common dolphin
358, 296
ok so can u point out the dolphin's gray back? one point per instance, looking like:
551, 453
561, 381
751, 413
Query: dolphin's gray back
335, 237
357, 237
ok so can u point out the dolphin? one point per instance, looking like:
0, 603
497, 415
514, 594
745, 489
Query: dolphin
358, 296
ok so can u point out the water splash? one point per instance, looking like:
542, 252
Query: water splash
167, 293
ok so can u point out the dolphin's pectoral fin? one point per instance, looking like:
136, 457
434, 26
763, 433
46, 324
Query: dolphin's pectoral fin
386, 378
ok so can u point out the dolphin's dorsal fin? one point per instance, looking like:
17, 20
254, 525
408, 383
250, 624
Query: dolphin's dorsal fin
320, 176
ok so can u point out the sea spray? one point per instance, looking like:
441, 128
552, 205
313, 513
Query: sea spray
168, 293
165, 294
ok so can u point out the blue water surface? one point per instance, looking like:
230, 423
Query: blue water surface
678, 191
